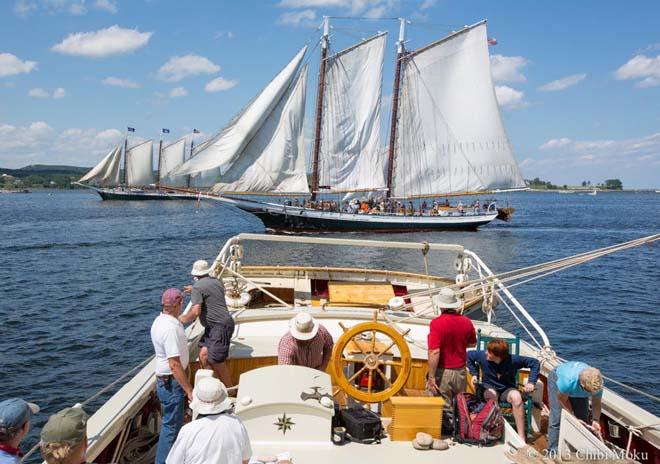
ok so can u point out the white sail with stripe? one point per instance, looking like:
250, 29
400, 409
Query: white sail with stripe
274, 159
222, 151
139, 165
351, 156
106, 172
171, 157
450, 135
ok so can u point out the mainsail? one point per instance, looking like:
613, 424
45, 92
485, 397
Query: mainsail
223, 149
274, 159
139, 165
350, 142
106, 173
450, 135
171, 157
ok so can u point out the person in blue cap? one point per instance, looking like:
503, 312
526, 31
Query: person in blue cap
15, 415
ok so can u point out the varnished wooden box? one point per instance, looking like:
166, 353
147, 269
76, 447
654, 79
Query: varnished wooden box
415, 414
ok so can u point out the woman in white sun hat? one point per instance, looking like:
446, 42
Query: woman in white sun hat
216, 435
307, 343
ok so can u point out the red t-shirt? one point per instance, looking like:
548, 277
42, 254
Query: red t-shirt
451, 333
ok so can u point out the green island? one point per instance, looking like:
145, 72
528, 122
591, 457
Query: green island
39, 176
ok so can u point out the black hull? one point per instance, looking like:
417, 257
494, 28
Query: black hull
288, 222
137, 196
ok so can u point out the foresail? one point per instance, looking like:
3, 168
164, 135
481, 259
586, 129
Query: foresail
222, 151
274, 160
450, 135
350, 156
139, 166
106, 173
171, 157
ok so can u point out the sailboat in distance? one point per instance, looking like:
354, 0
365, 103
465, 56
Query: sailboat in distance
139, 181
447, 139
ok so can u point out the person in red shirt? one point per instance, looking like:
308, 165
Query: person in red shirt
450, 335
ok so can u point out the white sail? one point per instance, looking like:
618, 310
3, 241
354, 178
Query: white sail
222, 150
450, 135
106, 173
350, 156
274, 160
171, 157
139, 165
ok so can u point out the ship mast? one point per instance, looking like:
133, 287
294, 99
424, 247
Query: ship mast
319, 107
400, 54
125, 160
160, 152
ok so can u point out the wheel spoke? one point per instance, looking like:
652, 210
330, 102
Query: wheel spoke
357, 343
392, 363
387, 349
354, 376
370, 381
373, 341
384, 377
347, 360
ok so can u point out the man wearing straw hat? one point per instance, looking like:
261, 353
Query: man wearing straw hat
307, 343
208, 303
215, 435
450, 334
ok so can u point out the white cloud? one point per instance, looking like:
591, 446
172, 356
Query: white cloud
105, 42
120, 82
178, 92
426, 4
509, 97
304, 17
59, 93
555, 143
38, 142
11, 65
605, 150
368, 8
108, 5
38, 93
641, 67
179, 67
507, 68
219, 84
563, 83
224, 34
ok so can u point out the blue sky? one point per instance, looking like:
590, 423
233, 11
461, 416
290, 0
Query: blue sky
578, 82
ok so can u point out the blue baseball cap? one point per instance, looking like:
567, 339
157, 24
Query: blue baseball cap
15, 412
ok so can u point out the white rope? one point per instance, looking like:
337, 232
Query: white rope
259, 287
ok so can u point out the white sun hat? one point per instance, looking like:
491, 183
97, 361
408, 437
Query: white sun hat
303, 326
446, 299
200, 268
209, 397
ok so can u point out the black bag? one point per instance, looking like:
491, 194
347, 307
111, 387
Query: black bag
362, 425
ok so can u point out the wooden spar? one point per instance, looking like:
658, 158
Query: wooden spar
125, 160
395, 105
319, 108
160, 152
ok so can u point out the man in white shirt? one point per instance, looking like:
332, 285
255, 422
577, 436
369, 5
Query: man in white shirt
216, 436
172, 386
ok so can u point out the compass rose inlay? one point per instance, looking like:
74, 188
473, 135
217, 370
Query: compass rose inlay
284, 423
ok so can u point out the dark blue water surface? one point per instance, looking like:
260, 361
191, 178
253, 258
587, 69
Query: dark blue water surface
80, 281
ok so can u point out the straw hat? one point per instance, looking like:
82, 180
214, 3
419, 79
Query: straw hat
303, 326
200, 268
209, 397
446, 299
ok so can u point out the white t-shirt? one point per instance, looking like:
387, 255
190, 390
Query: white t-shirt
217, 439
169, 341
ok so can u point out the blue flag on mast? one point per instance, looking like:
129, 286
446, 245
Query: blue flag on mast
131, 129
166, 131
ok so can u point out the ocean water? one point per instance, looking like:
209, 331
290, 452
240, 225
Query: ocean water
80, 281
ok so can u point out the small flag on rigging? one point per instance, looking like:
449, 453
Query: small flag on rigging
492, 41
131, 129
166, 131
195, 131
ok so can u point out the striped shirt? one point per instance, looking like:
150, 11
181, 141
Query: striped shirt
314, 353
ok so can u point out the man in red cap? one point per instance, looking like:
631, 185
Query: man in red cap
172, 386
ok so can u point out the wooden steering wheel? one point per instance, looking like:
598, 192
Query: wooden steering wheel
354, 348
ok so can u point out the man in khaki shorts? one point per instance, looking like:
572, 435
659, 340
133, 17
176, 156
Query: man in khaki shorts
449, 337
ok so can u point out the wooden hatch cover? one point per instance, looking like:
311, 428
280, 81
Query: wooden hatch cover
360, 293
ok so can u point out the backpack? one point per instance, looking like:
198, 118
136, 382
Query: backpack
362, 425
477, 422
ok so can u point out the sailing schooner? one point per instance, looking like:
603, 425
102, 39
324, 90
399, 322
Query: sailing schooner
446, 139
139, 181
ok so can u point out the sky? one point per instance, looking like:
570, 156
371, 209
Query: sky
578, 82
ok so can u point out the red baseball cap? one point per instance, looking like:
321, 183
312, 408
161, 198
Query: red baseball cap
171, 297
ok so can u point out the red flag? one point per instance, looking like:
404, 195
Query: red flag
492, 41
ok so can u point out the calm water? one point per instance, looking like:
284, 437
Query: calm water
80, 281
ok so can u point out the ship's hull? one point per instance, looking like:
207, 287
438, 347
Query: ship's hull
291, 218
141, 195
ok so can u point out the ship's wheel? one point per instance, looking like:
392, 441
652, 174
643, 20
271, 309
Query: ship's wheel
363, 363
